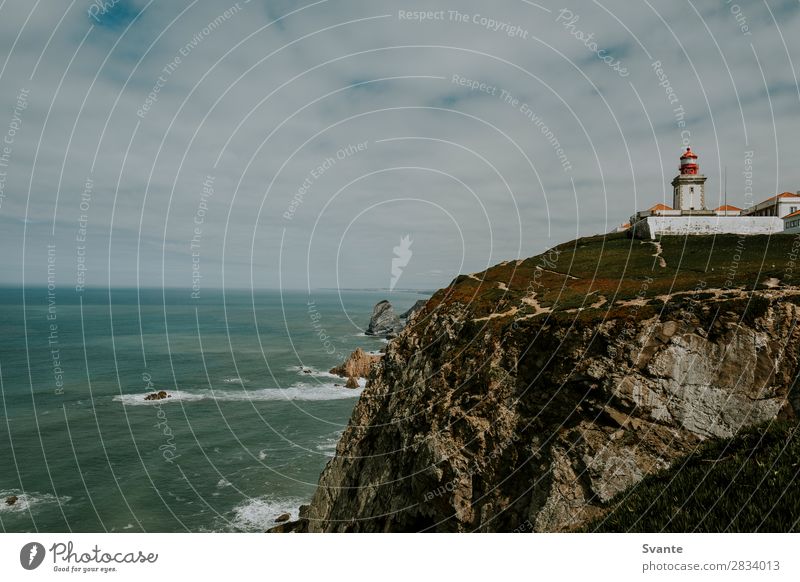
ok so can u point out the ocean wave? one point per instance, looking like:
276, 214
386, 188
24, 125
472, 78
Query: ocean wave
259, 513
328, 443
30, 500
302, 391
235, 380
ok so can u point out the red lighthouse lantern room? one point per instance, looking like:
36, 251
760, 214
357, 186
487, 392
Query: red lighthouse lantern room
689, 162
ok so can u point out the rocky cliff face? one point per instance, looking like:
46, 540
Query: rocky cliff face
511, 412
412, 311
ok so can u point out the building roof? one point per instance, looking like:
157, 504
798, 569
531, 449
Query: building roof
659, 206
784, 195
793, 214
689, 154
727, 207
772, 200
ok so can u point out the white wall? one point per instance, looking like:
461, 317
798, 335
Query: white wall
654, 226
785, 207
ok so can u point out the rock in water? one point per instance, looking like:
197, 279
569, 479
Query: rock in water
299, 526
11, 500
282, 517
416, 308
357, 365
351, 383
384, 321
160, 395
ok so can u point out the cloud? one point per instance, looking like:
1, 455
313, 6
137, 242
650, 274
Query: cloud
151, 99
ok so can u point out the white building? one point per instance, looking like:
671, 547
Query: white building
779, 205
689, 215
791, 222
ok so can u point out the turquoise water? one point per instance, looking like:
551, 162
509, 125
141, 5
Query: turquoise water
243, 439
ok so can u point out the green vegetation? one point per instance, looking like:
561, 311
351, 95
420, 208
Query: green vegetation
599, 273
749, 483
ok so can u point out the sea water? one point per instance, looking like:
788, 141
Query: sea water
252, 419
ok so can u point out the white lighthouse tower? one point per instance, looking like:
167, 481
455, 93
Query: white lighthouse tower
689, 185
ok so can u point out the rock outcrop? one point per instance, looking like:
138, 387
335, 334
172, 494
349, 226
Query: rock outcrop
502, 410
160, 395
408, 315
384, 321
357, 365
11, 500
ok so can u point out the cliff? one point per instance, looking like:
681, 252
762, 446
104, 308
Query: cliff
527, 397
412, 311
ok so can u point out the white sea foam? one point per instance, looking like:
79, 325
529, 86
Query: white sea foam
235, 380
259, 513
223, 483
300, 391
262, 454
309, 371
328, 443
30, 500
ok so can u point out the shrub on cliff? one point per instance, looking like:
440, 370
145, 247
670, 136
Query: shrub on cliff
748, 483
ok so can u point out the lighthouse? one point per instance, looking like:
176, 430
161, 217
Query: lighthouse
689, 215
689, 186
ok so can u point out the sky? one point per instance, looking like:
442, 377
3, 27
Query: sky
369, 144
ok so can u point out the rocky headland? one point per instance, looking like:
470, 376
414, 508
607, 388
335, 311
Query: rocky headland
529, 396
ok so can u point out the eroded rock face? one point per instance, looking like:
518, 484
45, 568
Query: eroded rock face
384, 321
408, 315
531, 424
357, 365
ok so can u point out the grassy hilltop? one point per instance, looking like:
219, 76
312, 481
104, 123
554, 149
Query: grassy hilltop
597, 276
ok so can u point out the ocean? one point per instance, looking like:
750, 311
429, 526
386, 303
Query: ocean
253, 419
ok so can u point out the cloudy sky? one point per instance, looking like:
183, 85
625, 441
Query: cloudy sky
278, 143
